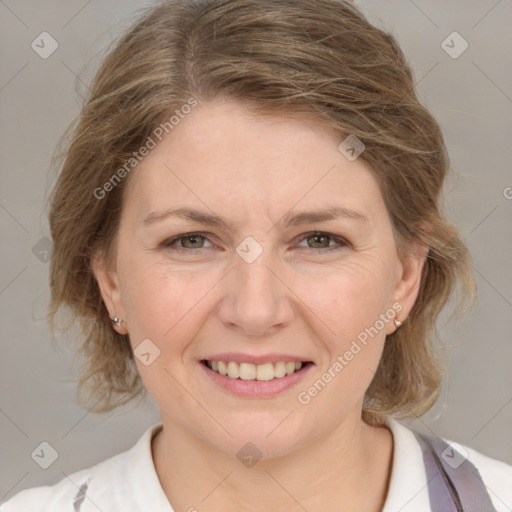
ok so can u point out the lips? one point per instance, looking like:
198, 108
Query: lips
247, 384
239, 357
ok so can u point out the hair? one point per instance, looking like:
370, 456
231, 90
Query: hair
316, 59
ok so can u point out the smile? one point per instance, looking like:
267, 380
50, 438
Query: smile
249, 371
249, 380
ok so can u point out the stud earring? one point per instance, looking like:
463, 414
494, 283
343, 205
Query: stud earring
116, 321
397, 323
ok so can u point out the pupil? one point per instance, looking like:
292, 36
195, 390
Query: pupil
193, 238
317, 237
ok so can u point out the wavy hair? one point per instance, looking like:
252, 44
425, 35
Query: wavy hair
318, 59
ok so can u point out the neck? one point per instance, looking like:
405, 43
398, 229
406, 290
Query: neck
349, 465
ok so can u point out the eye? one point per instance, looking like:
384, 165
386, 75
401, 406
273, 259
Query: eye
320, 239
190, 241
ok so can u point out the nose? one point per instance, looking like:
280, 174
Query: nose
257, 300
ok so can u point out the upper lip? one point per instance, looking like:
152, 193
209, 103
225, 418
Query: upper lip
239, 357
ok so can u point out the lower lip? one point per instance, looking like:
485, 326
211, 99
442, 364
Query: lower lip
256, 388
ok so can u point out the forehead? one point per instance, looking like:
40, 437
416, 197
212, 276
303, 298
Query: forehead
223, 157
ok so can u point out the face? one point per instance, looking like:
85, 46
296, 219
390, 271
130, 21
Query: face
264, 285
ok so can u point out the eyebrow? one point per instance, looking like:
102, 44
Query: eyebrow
290, 219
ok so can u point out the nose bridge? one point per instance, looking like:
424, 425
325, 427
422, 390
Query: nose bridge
253, 272
256, 300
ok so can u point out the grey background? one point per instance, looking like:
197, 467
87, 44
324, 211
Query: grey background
471, 96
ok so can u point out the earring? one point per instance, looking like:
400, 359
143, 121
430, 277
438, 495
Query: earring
116, 321
398, 323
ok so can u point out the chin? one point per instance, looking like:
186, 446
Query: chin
264, 436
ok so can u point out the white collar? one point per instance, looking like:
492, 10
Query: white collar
135, 469
408, 491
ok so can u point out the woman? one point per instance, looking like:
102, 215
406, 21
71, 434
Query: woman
247, 226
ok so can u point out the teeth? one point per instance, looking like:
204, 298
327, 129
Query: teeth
223, 369
280, 369
233, 370
249, 371
290, 368
265, 371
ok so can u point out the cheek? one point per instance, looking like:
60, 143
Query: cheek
169, 304
159, 306
354, 310
352, 296
157, 301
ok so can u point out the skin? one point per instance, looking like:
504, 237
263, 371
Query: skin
296, 298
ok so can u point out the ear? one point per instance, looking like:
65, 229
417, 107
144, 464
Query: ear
110, 292
408, 280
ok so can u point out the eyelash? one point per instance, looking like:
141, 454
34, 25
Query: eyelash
341, 242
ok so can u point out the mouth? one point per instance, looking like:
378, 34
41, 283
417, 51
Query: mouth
260, 372
249, 380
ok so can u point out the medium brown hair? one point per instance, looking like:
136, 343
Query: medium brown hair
320, 59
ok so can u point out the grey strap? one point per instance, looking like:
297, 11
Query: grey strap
452, 489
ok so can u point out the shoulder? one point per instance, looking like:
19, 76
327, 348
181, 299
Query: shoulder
408, 489
109, 484
61, 496
496, 475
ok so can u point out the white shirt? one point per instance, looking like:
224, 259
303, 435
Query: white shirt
128, 482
